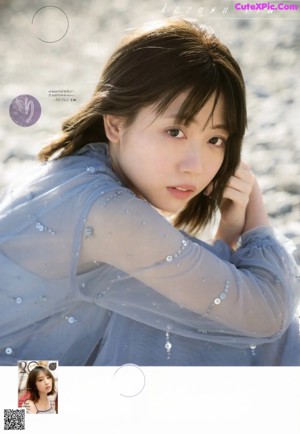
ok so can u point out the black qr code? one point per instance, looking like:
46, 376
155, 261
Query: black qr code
14, 419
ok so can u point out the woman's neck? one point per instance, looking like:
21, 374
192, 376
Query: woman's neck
43, 401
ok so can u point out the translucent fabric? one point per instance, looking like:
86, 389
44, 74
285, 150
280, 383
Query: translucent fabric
77, 245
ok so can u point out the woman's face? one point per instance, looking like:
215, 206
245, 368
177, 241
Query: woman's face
163, 162
43, 383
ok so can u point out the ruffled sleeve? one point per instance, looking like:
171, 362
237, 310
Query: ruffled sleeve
76, 245
148, 271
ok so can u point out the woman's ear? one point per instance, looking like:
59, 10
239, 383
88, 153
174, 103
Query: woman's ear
113, 126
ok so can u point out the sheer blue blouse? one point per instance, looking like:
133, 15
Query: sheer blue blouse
93, 275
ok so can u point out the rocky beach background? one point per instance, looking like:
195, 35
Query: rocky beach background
55, 54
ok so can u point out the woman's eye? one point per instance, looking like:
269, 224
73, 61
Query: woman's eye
217, 141
175, 132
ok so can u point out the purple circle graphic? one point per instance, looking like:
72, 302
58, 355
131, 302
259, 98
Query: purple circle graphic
25, 110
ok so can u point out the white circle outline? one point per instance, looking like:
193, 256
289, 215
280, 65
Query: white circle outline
56, 7
136, 366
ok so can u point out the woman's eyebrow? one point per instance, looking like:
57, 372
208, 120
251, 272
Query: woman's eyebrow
173, 116
219, 127
170, 116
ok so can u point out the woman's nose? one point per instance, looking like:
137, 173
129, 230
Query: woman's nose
192, 160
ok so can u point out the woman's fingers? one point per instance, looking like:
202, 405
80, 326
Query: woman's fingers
238, 191
239, 186
234, 204
244, 173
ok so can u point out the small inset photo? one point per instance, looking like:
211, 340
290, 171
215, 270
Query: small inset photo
38, 386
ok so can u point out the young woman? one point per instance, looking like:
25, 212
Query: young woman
98, 260
40, 385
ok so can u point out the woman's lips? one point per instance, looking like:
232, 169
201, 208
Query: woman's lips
181, 191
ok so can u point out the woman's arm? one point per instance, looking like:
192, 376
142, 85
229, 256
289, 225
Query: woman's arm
30, 407
256, 214
145, 254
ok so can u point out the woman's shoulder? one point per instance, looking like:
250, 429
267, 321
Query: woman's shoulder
52, 405
88, 167
30, 406
77, 175
93, 158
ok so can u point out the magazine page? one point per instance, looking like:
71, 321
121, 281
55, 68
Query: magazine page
137, 326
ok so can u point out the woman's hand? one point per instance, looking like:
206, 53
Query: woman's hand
234, 204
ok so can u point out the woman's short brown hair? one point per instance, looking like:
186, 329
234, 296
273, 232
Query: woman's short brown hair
155, 65
31, 382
